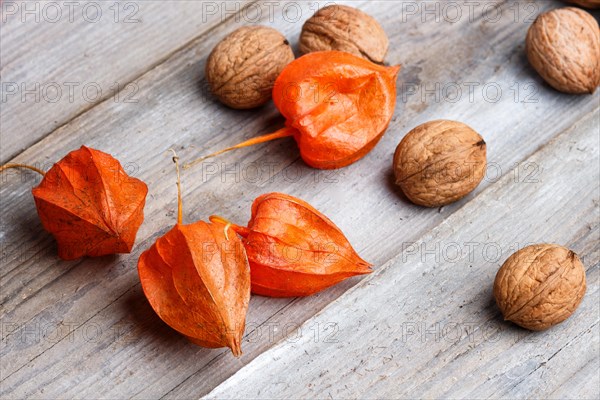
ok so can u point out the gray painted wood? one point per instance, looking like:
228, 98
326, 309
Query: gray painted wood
101, 337
425, 324
59, 59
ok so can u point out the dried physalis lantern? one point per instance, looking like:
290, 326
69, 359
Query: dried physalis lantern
293, 249
197, 279
337, 106
90, 205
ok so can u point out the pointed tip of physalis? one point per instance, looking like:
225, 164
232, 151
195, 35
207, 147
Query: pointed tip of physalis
364, 267
394, 69
235, 346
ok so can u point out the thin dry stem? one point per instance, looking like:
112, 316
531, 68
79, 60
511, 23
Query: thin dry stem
281, 133
179, 201
12, 165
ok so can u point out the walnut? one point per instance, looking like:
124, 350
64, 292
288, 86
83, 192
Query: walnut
586, 3
439, 162
563, 46
242, 68
346, 29
540, 286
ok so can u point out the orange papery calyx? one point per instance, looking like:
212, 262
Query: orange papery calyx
293, 249
337, 106
197, 279
89, 204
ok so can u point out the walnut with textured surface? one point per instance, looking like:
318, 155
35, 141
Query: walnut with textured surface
439, 162
346, 29
540, 286
586, 3
242, 68
563, 46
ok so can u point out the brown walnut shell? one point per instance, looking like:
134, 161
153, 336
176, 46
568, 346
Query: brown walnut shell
540, 286
586, 3
563, 46
346, 29
439, 162
242, 68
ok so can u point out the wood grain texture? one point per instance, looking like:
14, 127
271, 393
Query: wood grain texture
425, 324
83, 328
61, 58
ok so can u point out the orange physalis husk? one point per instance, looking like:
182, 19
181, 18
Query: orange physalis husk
293, 249
197, 279
89, 204
337, 106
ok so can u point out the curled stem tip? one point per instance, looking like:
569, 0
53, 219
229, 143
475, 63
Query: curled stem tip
221, 220
240, 230
227, 226
12, 165
179, 201
281, 133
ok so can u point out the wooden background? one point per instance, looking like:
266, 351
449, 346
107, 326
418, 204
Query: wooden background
424, 324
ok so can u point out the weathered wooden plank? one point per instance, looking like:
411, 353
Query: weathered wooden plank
426, 326
148, 360
61, 58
